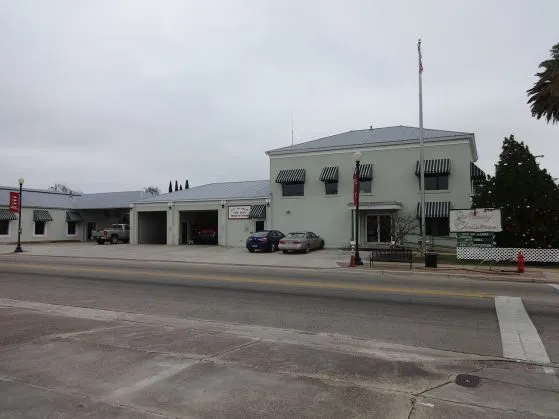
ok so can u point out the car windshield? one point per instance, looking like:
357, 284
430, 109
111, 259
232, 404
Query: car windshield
297, 235
260, 234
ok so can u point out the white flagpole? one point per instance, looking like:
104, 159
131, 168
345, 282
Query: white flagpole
421, 153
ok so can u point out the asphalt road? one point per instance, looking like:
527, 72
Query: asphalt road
421, 313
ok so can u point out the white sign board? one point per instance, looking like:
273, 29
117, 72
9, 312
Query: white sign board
239, 213
475, 220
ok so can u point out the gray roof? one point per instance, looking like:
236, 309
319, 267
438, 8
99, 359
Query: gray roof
217, 191
375, 136
109, 199
38, 198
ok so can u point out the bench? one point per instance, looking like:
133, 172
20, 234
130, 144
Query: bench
391, 255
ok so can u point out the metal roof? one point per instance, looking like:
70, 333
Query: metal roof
107, 200
368, 137
216, 191
36, 198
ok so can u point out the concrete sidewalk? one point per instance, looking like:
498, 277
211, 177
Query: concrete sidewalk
218, 255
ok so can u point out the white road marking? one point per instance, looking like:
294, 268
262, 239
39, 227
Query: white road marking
519, 336
556, 286
426, 404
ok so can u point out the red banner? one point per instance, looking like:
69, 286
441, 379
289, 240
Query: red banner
355, 190
14, 202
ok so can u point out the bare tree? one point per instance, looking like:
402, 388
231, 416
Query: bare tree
152, 190
60, 187
404, 225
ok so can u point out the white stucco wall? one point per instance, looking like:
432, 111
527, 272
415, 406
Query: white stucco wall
55, 230
394, 179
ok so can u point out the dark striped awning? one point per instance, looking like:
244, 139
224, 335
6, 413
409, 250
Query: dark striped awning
41, 215
73, 216
7, 215
365, 172
329, 174
434, 167
476, 173
434, 209
257, 211
291, 176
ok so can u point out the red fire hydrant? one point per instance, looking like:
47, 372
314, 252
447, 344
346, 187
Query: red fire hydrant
520, 262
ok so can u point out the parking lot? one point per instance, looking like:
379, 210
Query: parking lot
326, 258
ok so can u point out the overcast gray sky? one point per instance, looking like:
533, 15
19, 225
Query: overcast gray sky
110, 94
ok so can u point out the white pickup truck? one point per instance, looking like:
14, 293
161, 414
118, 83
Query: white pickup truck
112, 234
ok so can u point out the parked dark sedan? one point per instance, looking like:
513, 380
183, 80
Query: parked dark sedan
266, 240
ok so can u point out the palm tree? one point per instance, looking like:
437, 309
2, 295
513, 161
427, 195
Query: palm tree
543, 98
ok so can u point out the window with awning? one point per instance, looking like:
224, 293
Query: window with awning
434, 209
41, 215
6, 215
435, 167
73, 217
292, 182
365, 172
436, 218
257, 211
329, 174
291, 176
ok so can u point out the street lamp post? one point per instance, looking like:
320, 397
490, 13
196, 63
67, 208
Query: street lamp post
357, 156
18, 247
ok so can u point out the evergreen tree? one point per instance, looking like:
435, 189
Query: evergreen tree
170, 186
527, 196
186, 184
176, 185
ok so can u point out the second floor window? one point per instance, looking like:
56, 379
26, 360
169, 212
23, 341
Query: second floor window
436, 183
293, 189
331, 188
365, 186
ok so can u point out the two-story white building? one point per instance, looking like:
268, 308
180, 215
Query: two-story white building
312, 183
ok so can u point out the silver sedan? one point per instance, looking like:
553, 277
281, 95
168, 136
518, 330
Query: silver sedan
301, 241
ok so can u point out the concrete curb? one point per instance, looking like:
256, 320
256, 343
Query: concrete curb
449, 275
181, 261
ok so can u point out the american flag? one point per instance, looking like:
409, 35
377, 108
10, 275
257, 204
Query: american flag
419, 53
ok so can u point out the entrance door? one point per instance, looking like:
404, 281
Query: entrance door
379, 228
90, 228
259, 225
385, 228
372, 229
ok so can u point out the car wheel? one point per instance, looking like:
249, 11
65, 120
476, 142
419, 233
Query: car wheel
276, 247
251, 250
100, 241
307, 249
322, 245
285, 252
114, 239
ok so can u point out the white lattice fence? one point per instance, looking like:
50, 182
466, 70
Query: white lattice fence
500, 253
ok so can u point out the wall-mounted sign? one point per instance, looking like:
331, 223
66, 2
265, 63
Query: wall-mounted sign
239, 213
477, 220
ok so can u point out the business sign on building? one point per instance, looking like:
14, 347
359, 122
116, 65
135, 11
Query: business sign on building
239, 213
477, 220
14, 202
483, 240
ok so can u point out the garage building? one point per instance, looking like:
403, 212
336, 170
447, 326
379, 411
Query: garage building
214, 214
